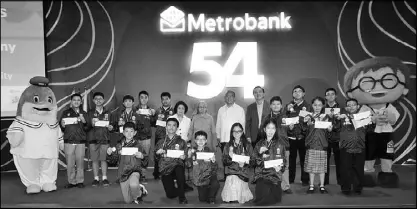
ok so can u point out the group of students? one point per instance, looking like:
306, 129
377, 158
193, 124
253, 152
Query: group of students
272, 143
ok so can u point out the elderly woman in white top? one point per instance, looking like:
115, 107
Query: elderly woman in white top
180, 110
202, 121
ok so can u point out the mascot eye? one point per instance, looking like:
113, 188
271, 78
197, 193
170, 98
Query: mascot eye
36, 99
50, 100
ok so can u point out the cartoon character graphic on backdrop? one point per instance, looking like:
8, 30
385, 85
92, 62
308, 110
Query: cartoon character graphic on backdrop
376, 83
35, 137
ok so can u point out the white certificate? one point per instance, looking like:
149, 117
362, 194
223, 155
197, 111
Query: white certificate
144, 111
204, 155
69, 121
240, 158
362, 115
129, 150
273, 163
327, 111
172, 153
360, 123
102, 123
304, 113
294, 120
322, 124
161, 123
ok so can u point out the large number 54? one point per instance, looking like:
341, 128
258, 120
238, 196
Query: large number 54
222, 76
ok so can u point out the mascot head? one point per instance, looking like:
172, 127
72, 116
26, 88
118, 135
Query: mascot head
37, 102
377, 80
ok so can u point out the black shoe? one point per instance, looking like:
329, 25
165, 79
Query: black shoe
106, 182
288, 191
310, 190
323, 190
80, 185
156, 177
138, 200
304, 184
212, 202
183, 201
69, 186
291, 182
95, 183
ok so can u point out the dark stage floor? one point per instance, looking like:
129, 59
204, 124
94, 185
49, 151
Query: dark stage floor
13, 194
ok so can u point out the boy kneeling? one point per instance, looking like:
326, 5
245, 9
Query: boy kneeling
204, 171
130, 169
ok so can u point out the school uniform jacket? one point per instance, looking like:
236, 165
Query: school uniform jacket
316, 139
98, 135
202, 170
233, 168
129, 163
334, 135
145, 122
276, 150
351, 139
166, 164
298, 131
160, 131
75, 133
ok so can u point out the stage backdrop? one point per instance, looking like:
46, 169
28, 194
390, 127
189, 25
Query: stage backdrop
125, 47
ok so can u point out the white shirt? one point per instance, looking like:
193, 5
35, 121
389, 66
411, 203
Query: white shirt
226, 117
387, 128
260, 107
183, 127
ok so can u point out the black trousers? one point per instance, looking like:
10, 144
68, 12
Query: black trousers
222, 145
297, 145
352, 172
209, 192
169, 186
156, 173
333, 146
267, 193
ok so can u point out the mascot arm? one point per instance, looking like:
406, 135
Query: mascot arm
60, 140
15, 134
392, 114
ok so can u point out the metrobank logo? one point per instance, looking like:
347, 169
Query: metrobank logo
174, 20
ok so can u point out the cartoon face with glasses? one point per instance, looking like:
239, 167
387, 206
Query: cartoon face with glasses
376, 81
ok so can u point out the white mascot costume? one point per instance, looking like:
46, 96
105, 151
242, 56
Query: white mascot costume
35, 137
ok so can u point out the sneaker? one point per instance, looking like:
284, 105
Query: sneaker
183, 201
69, 186
95, 183
80, 185
138, 200
288, 191
323, 190
310, 190
143, 190
106, 182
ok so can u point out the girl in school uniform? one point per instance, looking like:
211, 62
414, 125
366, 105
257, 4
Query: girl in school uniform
316, 145
268, 180
236, 186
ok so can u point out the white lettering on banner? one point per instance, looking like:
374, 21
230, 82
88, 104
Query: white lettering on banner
222, 76
173, 20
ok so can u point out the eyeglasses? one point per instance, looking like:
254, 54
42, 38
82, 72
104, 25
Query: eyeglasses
354, 105
388, 81
238, 131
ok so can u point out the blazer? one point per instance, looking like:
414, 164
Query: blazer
252, 119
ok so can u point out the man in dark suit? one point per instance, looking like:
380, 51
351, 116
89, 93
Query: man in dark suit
254, 114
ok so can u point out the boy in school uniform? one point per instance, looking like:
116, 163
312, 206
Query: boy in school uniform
144, 132
161, 116
334, 137
204, 171
74, 138
352, 149
130, 166
99, 138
